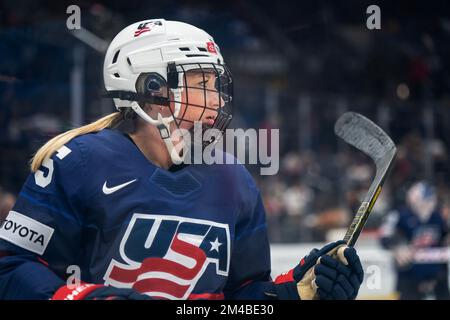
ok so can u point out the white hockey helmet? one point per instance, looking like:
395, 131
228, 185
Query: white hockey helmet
422, 199
146, 63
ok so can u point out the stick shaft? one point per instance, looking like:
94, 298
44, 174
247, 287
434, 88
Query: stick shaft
360, 219
367, 205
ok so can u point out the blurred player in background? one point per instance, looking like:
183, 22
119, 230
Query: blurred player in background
122, 205
417, 235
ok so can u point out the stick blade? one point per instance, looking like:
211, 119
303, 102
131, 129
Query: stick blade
363, 134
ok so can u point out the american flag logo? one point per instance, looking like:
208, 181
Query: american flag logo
146, 26
175, 252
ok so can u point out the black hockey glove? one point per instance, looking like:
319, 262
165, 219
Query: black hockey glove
333, 272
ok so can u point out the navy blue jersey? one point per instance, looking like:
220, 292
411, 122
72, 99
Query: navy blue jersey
99, 205
402, 226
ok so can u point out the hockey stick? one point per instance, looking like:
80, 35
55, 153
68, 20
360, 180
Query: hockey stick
366, 136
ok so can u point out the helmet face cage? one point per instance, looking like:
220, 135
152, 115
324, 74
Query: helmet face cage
178, 83
223, 91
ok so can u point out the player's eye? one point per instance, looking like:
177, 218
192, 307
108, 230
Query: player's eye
203, 83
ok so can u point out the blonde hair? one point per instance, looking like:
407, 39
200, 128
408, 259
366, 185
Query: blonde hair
57, 142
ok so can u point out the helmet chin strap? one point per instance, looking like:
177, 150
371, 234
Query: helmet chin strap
164, 131
163, 125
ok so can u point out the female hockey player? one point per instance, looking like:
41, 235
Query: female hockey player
116, 213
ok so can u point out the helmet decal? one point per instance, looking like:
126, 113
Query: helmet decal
146, 26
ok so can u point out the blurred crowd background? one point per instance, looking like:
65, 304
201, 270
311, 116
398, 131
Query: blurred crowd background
295, 67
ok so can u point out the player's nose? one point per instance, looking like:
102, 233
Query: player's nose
215, 100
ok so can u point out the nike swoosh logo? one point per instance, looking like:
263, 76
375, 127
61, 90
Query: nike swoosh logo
107, 190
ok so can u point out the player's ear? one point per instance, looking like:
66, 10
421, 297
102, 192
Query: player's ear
152, 84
